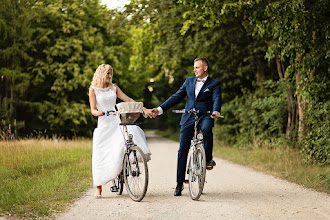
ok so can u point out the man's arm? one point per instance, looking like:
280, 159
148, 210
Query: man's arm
175, 98
171, 101
216, 97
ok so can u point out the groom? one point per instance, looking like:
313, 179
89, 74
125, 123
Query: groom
204, 94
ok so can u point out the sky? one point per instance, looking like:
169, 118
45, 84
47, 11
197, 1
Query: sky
111, 4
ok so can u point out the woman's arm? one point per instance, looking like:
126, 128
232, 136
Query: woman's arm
92, 103
125, 98
122, 95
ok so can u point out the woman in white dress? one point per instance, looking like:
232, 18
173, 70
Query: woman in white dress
108, 142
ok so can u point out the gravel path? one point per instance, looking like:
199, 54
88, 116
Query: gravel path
231, 192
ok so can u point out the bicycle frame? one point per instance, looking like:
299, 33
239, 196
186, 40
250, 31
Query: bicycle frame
128, 139
128, 142
135, 169
195, 141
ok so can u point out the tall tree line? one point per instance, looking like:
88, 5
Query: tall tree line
271, 57
49, 52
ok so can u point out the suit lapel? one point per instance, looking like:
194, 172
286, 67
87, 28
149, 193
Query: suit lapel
207, 82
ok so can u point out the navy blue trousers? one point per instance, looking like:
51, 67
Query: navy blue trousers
186, 134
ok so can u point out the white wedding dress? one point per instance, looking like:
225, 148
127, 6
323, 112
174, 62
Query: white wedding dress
108, 141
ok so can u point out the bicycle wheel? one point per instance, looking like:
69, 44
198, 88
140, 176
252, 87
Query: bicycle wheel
136, 174
197, 172
119, 183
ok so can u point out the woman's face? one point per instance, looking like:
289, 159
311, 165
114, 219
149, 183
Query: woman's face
108, 77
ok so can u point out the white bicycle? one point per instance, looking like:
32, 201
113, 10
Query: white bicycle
196, 168
135, 173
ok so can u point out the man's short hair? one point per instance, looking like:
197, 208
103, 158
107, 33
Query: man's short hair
204, 61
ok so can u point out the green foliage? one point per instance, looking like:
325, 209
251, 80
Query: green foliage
70, 42
48, 59
256, 116
316, 145
296, 34
271, 57
14, 42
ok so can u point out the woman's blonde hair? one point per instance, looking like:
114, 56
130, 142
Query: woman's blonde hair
100, 76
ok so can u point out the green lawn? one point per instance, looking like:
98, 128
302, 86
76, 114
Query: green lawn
40, 177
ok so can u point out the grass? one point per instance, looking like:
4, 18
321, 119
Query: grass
285, 163
40, 177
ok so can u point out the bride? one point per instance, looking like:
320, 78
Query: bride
108, 143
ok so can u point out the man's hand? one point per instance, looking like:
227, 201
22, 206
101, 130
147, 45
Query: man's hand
154, 112
215, 114
148, 112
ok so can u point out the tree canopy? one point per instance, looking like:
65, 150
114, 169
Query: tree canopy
271, 57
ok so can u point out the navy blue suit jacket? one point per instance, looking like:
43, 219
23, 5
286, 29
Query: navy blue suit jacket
208, 99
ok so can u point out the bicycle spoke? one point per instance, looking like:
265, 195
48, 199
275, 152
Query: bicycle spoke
136, 174
197, 173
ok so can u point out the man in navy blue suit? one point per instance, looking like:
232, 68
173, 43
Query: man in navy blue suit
204, 94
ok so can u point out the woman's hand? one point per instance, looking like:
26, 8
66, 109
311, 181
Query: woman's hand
148, 112
97, 113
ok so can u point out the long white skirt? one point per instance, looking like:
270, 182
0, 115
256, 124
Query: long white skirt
108, 148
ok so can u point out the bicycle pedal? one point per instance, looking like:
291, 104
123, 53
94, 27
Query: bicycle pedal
209, 167
113, 189
186, 181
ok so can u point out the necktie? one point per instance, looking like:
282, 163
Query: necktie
201, 80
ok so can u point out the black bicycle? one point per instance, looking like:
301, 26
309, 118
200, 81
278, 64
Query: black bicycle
196, 168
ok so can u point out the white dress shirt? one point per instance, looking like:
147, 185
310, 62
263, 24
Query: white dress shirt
198, 87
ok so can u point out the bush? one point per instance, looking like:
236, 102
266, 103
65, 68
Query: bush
256, 116
316, 144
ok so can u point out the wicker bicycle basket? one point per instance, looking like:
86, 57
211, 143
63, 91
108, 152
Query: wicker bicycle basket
129, 112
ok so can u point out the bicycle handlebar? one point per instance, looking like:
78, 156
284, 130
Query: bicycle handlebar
193, 111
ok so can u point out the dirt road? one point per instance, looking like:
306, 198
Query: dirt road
231, 192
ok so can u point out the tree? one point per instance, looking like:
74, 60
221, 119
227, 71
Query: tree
296, 34
14, 38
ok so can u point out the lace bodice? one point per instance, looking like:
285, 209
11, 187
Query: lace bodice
105, 98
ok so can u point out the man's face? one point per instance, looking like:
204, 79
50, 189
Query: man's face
199, 69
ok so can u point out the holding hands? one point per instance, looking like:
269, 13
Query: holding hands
147, 112
152, 113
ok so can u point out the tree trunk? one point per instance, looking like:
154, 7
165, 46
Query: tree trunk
301, 105
290, 99
291, 115
301, 109
11, 107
